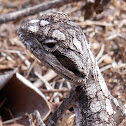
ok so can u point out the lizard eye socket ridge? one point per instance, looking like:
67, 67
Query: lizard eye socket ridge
50, 44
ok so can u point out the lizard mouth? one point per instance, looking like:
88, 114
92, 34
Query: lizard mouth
68, 64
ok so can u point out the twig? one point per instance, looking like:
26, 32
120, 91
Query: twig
89, 22
33, 10
30, 68
48, 76
106, 67
20, 54
102, 58
12, 120
48, 86
35, 119
100, 52
54, 90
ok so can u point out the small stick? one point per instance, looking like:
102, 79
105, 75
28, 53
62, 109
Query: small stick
33, 10
54, 90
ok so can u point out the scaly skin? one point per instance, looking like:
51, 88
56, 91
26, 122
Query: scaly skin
61, 45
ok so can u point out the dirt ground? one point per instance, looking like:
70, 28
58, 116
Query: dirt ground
106, 33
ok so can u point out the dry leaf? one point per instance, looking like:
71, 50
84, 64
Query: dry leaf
19, 96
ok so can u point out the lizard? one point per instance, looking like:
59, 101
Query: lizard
62, 46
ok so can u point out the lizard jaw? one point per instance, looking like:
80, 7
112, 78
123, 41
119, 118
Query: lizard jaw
74, 74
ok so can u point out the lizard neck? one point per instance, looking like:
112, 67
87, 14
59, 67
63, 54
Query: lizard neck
93, 106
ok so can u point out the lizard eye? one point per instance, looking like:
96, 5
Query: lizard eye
50, 44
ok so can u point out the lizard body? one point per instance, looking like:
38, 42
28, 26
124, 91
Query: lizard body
61, 45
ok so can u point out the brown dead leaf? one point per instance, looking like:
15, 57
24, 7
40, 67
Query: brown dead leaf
19, 96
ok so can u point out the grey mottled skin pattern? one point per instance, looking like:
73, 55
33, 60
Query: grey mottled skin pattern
61, 45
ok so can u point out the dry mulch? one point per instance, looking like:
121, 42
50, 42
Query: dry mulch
106, 33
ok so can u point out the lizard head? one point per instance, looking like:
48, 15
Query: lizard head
58, 43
